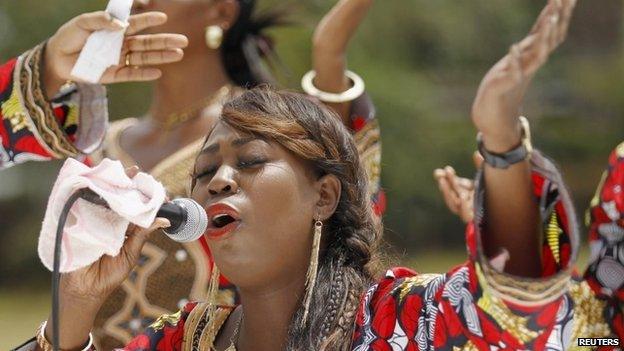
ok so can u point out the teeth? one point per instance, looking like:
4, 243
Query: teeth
219, 216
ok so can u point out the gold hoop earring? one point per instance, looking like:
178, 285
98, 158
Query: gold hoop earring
214, 37
312, 269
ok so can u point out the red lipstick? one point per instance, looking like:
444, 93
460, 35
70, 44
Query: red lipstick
222, 220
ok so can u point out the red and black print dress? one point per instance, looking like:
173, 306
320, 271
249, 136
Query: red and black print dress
475, 306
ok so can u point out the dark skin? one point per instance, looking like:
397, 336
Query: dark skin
277, 198
148, 52
181, 86
512, 215
83, 292
266, 255
261, 179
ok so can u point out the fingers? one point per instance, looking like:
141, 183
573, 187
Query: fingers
457, 192
140, 22
446, 186
547, 34
138, 236
155, 42
133, 74
450, 197
97, 21
132, 171
151, 58
564, 23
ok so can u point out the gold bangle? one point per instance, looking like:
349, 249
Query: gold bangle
307, 83
45, 345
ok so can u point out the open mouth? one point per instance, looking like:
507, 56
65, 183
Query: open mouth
220, 221
224, 219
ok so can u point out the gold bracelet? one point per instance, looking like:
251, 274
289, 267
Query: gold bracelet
45, 345
307, 83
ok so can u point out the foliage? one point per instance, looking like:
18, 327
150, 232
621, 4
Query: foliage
422, 61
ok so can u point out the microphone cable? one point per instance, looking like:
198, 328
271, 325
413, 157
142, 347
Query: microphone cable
56, 274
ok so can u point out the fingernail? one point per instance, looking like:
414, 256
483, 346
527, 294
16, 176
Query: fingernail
165, 223
119, 24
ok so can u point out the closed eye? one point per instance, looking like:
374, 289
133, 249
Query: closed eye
209, 172
242, 164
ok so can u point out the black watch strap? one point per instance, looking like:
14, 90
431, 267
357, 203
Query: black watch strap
503, 161
516, 155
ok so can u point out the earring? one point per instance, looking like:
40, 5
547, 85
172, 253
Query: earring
312, 269
214, 37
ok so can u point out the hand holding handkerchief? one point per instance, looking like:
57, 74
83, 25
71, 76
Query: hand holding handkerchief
103, 47
90, 48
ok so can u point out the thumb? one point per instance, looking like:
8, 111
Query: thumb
99, 20
137, 237
477, 160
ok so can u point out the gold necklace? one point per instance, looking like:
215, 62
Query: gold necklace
173, 120
233, 342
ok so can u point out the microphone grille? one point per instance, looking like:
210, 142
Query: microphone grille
196, 221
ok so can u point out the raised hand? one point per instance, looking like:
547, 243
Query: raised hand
144, 51
329, 48
497, 105
83, 292
512, 218
457, 192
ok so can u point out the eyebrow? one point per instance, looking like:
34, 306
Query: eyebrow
237, 143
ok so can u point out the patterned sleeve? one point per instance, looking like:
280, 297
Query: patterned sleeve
365, 129
32, 128
605, 274
475, 306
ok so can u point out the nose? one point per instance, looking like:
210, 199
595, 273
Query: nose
223, 182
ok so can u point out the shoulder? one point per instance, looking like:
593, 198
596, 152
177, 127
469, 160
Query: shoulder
391, 309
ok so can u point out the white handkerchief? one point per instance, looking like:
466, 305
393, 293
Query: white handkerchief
103, 47
92, 231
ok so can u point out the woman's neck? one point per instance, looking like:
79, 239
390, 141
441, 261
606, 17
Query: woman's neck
268, 314
187, 83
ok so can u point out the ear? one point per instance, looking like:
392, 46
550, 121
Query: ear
329, 189
224, 13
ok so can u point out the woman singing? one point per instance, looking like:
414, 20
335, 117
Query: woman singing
291, 225
223, 58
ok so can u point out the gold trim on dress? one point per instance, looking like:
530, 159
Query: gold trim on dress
38, 108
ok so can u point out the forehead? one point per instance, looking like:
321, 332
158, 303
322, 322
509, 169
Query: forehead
223, 132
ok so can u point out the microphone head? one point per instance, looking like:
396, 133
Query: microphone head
194, 226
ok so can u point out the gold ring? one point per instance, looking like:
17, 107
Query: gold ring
128, 59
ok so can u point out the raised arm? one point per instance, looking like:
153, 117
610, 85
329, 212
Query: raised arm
329, 53
511, 212
38, 123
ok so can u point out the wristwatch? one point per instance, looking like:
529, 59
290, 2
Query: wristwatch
518, 154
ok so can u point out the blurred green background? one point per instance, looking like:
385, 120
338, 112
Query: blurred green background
422, 61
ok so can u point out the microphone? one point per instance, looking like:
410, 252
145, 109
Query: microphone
188, 219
